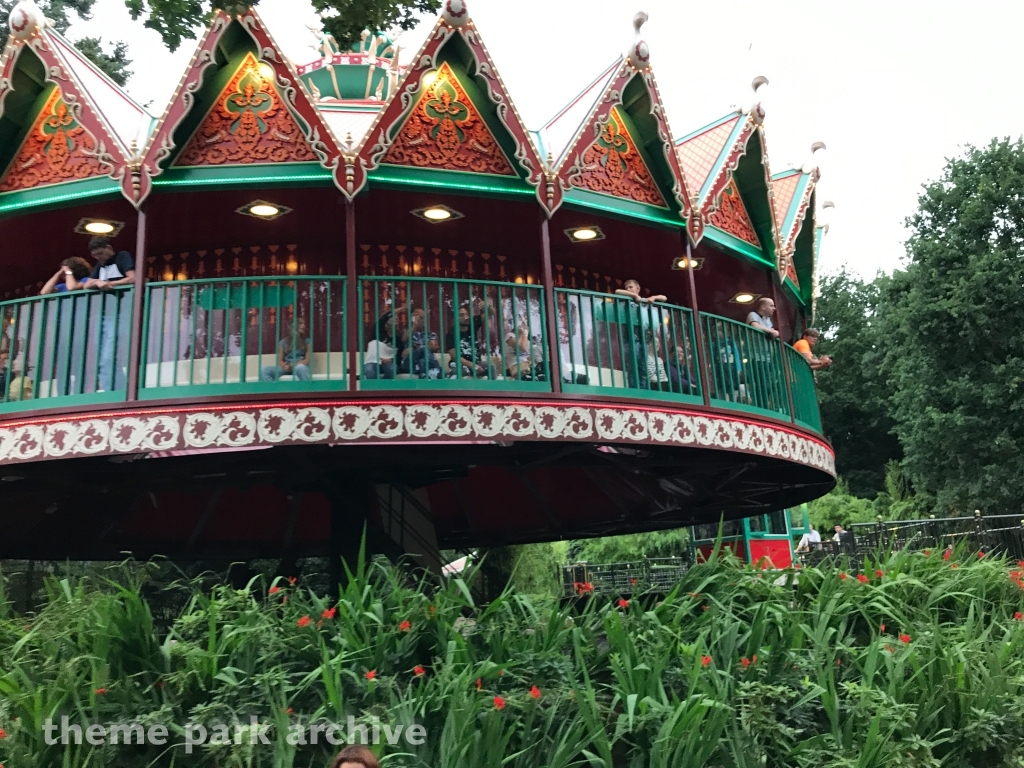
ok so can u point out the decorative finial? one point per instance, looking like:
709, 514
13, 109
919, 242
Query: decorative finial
816, 146
26, 20
639, 56
454, 13
811, 166
754, 108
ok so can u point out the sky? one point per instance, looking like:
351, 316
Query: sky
892, 87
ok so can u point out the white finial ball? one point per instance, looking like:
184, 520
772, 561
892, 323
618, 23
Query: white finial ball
639, 55
454, 13
25, 20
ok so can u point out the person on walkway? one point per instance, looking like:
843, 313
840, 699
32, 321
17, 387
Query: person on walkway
634, 353
292, 359
761, 317
810, 540
470, 349
112, 270
806, 344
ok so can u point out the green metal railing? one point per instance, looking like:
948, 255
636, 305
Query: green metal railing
462, 334
746, 370
244, 334
801, 385
69, 346
611, 342
266, 334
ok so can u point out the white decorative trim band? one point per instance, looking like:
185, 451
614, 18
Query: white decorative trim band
259, 426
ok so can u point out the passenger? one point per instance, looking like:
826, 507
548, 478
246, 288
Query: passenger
419, 346
657, 375
381, 351
679, 371
291, 361
634, 356
761, 317
111, 270
5, 361
73, 275
471, 350
526, 354
806, 344
355, 756
810, 540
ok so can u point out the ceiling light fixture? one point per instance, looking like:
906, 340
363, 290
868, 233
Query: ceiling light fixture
744, 297
584, 234
683, 262
261, 209
436, 214
104, 227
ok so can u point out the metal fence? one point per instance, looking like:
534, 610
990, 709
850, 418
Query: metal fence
657, 574
992, 534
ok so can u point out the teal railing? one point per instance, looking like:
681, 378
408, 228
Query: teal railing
271, 334
461, 334
244, 334
801, 385
68, 347
745, 365
609, 342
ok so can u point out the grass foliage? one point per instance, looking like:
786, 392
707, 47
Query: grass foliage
734, 669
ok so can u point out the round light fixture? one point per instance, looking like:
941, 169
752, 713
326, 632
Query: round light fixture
437, 214
584, 234
265, 210
743, 298
266, 71
429, 78
99, 227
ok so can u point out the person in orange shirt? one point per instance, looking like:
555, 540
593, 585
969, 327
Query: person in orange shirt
804, 345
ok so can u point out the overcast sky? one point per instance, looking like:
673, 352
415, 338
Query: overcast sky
892, 88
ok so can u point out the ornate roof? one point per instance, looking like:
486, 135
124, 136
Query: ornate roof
793, 192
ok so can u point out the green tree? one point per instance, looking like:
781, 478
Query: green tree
178, 20
852, 392
635, 546
953, 324
63, 12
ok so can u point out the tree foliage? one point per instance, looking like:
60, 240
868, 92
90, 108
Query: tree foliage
953, 324
179, 20
63, 12
852, 393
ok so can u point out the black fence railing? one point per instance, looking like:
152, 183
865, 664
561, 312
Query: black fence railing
657, 574
991, 534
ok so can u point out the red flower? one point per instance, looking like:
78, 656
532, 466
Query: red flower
878, 574
843, 575
981, 555
882, 628
275, 589
905, 638
292, 580
927, 552
3, 734
1020, 564
433, 610
745, 662
703, 607
954, 566
419, 671
101, 691
632, 582
499, 703
890, 649
479, 683
371, 674
288, 711
705, 661
623, 603
862, 578
1019, 616
501, 672
405, 626
535, 692
330, 613
947, 554
304, 621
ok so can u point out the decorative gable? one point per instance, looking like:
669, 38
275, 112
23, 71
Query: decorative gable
613, 165
791, 273
57, 148
248, 123
699, 154
446, 131
732, 216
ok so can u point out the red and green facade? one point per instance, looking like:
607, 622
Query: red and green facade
580, 413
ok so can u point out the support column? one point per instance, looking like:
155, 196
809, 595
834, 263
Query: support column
702, 362
782, 352
551, 307
135, 348
352, 295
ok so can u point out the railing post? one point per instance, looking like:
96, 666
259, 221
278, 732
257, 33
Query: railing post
555, 362
135, 348
351, 293
787, 378
979, 529
879, 531
704, 372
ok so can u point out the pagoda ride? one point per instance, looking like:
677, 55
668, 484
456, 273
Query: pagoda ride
361, 295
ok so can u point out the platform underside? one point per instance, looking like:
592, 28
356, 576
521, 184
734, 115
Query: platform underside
283, 501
